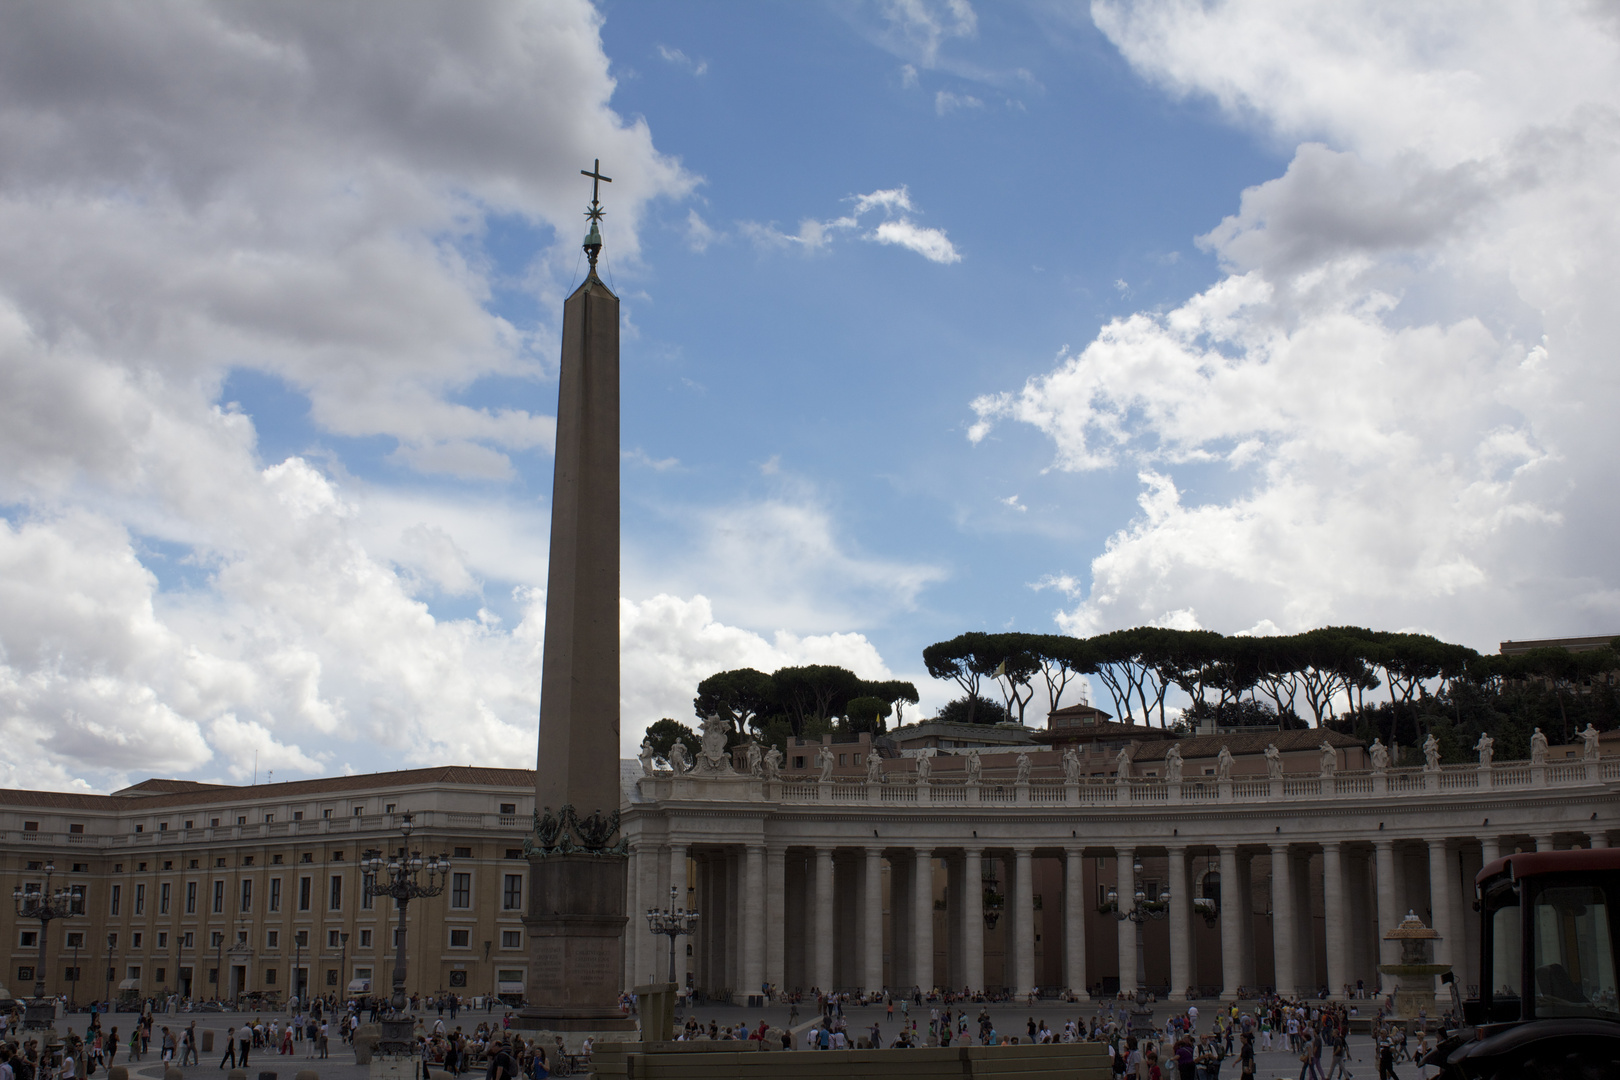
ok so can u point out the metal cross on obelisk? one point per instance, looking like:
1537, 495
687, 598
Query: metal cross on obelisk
593, 239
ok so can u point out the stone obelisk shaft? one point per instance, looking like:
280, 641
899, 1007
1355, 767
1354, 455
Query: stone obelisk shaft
576, 914
579, 692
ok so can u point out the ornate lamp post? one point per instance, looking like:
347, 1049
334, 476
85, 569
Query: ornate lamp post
401, 876
1140, 912
672, 922
994, 901
42, 904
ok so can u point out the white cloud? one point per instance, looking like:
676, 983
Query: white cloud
931, 244
908, 76
300, 191
814, 235
1399, 377
1011, 502
681, 60
921, 27
699, 234
947, 102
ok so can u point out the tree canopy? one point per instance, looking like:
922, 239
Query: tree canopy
801, 701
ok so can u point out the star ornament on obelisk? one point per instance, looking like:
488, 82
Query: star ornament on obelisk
577, 860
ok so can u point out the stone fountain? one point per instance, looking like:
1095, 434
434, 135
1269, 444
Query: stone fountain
1414, 988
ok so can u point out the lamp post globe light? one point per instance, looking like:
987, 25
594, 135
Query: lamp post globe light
403, 875
1141, 910
41, 903
672, 922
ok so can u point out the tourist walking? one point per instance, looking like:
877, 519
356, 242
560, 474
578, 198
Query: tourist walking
230, 1047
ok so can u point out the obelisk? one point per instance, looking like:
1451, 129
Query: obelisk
577, 865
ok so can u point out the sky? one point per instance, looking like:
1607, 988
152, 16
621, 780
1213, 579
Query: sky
937, 316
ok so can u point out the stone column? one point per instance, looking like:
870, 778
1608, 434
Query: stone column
776, 916
1284, 935
1440, 901
1233, 907
822, 968
1126, 877
1248, 977
1180, 926
922, 919
871, 966
1600, 839
1544, 842
1074, 920
646, 953
1023, 948
753, 950
1336, 928
972, 908
1490, 849
1389, 952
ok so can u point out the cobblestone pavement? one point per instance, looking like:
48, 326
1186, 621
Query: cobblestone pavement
340, 1065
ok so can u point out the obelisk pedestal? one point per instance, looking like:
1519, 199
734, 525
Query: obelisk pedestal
577, 861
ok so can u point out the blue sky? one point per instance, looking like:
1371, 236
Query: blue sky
938, 317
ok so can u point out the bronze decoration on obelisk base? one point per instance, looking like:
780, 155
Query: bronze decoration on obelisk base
577, 860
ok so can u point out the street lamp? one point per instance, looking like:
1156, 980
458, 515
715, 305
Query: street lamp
343, 965
400, 875
672, 922
1140, 912
44, 905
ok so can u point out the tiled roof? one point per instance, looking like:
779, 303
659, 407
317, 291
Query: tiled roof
186, 793
1208, 746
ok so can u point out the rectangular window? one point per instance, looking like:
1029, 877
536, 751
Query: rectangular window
162, 974
188, 940
275, 894
301, 938
461, 939
75, 939
367, 901
365, 939
132, 972
77, 905
216, 939
461, 890
511, 939
76, 827
117, 895
508, 807
28, 939
191, 897
269, 819
298, 815
140, 828
334, 896
219, 897
190, 823
241, 820
276, 859
163, 826
247, 894
306, 886
30, 826
135, 940
269, 976
463, 852
70, 974
163, 898
512, 892
332, 939
272, 939
163, 939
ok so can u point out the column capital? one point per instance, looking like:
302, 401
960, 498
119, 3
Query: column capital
1279, 846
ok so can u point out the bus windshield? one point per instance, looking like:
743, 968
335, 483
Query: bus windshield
1573, 953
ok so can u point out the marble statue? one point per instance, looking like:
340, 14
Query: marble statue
677, 758
1023, 768
1487, 749
824, 762
1431, 754
712, 756
974, 768
874, 767
647, 755
1589, 738
1122, 765
1071, 766
1223, 764
755, 758
1538, 748
1330, 759
925, 766
773, 763
1379, 754
1173, 765
1274, 762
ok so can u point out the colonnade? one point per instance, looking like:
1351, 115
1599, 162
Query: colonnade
1292, 912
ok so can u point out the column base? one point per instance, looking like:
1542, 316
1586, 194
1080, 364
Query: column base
394, 1067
